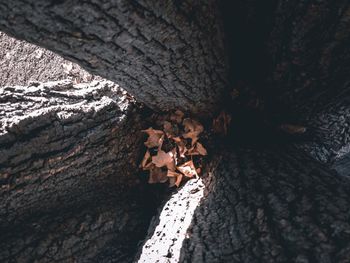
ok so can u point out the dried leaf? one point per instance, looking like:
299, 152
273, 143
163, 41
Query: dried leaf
293, 129
234, 93
188, 169
169, 129
176, 176
164, 159
172, 181
177, 139
192, 130
155, 137
157, 175
197, 149
221, 123
200, 149
177, 116
146, 161
181, 146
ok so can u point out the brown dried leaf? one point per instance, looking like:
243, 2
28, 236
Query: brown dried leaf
169, 129
197, 149
234, 93
293, 129
177, 116
200, 149
188, 169
192, 129
146, 161
155, 137
221, 123
175, 178
164, 159
181, 146
177, 139
157, 175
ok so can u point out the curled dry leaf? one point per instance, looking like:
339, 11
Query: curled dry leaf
169, 129
293, 129
174, 178
174, 137
164, 159
221, 123
181, 146
155, 137
200, 149
146, 161
177, 116
192, 130
234, 93
157, 175
188, 169
197, 149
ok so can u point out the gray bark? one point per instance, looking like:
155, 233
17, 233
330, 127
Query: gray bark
260, 205
68, 184
309, 51
270, 204
168, 54
22, 62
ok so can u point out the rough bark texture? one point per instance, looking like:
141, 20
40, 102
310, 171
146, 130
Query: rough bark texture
296, 52
169, 54
267, 205
68, 187
270, 203
310, 52
22, 62
295, 57
330, 130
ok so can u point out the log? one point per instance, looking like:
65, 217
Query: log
68, 184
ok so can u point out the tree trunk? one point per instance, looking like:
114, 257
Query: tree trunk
168, 54
259, 205
68, 187
22, 62
292, 52
310, 54
264, 203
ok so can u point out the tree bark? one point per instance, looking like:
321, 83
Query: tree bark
168, 54
259, 205
22, 62
309, 51
329, 128
271, 204
68, 184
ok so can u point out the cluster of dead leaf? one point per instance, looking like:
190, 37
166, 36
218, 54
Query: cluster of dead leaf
173, 152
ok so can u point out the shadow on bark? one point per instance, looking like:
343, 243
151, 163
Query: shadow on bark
270, 205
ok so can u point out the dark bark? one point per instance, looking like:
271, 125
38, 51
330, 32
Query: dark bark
310, 53
329, 130
168, 54
270, 204
68, 187
261, 205
293, 52
295, 57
